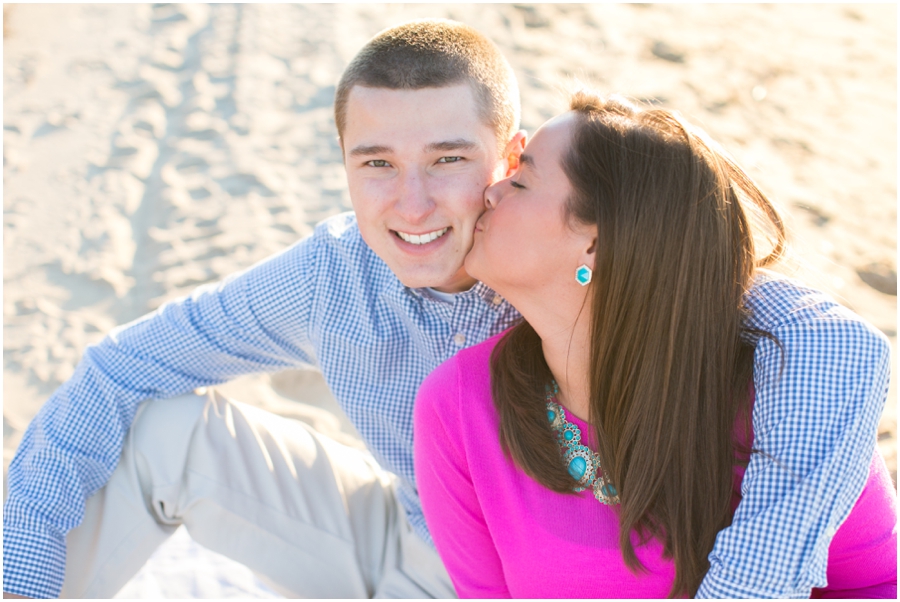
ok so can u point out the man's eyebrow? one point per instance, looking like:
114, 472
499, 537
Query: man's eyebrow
365, 151
527, 160
451, 145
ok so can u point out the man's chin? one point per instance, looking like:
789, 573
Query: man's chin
456, 282
471, 267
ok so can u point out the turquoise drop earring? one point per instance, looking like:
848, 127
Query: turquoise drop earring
583, 275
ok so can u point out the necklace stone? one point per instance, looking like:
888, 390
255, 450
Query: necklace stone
582, 463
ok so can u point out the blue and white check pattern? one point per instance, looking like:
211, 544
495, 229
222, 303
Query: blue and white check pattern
331, 302
815, 417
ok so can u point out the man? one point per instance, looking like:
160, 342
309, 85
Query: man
427, 115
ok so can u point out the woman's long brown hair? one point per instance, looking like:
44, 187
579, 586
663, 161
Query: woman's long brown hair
678, 224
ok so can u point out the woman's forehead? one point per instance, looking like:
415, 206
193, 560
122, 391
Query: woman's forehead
550, 141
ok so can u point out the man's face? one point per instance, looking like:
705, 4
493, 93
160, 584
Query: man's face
417, 163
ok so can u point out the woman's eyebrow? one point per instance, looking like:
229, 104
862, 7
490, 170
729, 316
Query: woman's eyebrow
451, 145
527, 160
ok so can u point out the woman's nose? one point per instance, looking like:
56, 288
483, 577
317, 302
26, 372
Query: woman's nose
492, 195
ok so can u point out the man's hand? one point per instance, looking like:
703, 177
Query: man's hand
17, 596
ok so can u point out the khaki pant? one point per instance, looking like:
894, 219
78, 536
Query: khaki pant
313, 518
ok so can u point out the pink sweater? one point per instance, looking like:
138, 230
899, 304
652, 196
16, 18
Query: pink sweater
501, 534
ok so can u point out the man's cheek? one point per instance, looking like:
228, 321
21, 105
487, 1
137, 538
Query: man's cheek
501, 170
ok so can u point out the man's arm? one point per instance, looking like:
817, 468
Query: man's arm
819, 396
255, 321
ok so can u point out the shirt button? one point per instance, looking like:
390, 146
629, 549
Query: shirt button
459, 339
497, 300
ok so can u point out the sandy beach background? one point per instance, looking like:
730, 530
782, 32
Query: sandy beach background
148, 149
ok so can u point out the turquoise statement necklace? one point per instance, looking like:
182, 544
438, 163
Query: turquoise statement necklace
582, 463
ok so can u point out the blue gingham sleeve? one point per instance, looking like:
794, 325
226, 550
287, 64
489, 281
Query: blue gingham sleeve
255, 321
819, 396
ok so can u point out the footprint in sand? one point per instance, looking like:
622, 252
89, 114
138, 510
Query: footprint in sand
881, 277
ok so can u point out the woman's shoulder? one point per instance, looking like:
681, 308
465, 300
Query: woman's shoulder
463, 381
480, 354
472, 363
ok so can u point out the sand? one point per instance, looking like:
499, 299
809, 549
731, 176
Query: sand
150, 149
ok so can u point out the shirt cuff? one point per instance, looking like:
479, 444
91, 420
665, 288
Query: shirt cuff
34, 564
714, 586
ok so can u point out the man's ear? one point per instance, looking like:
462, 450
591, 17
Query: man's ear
513, 151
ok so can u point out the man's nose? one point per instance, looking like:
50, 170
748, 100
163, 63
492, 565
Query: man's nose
414, 203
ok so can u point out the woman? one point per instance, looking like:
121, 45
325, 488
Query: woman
638, 372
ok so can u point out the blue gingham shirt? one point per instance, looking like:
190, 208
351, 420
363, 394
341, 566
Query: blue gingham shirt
330, 301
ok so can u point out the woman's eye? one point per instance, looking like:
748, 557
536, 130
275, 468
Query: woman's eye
515, 184
449, 159
378, 163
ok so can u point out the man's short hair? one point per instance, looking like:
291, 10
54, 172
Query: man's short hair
434, 53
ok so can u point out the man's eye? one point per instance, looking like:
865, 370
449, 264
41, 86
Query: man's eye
449, 159
515, 184
377, 163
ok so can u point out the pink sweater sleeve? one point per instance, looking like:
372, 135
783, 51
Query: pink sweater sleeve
449, 501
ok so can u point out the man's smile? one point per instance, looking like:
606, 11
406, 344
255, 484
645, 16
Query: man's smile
421, 239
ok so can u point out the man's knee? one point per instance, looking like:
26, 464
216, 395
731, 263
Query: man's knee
161, 434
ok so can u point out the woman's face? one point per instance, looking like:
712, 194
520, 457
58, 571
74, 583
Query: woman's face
523, 242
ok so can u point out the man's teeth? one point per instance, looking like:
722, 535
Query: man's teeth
421, 239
